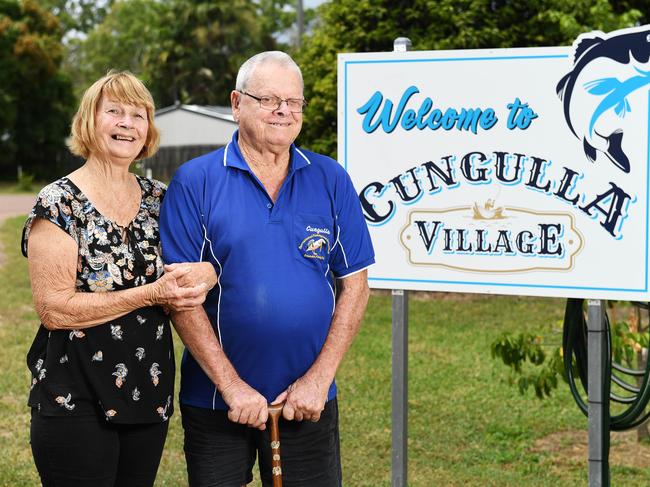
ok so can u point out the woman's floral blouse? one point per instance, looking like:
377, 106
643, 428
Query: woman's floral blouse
123, 369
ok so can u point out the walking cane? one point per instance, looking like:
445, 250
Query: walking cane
275, 411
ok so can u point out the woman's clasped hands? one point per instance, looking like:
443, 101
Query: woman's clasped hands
184, 286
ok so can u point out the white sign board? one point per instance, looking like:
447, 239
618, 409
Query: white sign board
513, 171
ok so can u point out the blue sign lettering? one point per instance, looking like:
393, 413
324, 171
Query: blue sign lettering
378, 112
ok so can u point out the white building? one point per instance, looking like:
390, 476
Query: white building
187, 131
182, 125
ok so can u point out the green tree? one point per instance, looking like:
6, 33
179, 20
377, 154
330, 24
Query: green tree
78, 15
642, 6
124, 39
278, 16
536, 361
35, 97
185, 50
372, 25
203, 45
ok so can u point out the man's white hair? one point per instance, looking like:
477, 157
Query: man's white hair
278, 57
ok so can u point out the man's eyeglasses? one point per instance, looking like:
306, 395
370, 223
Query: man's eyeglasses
272, 103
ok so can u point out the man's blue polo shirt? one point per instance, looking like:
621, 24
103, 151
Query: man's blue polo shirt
277, 263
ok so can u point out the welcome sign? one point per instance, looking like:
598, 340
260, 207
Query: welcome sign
514, 171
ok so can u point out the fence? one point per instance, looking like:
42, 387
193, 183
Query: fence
168, 159
162, 165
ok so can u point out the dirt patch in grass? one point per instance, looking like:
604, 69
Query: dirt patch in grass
570, 447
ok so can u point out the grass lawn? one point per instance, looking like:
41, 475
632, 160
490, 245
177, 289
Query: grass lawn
467, 426
13, 188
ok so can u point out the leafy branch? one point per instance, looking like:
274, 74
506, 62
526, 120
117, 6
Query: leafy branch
537, 360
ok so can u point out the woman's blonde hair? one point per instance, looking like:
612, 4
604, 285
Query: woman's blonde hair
120, 86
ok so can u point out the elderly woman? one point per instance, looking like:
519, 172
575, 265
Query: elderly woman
102, 361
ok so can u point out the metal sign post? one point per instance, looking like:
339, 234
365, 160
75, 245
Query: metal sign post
400, 388
399, 455
598, 391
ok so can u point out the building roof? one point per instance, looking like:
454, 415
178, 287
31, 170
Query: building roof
194, 125
214, 111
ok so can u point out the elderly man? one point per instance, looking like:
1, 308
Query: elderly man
284, 229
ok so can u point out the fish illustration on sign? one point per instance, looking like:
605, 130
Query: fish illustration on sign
612, 93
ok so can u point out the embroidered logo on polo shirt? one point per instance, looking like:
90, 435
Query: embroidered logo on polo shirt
317, 244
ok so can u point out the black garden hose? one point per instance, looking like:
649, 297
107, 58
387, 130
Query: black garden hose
574, 345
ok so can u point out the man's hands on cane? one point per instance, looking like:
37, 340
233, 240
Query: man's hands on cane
304, 399
246, 405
